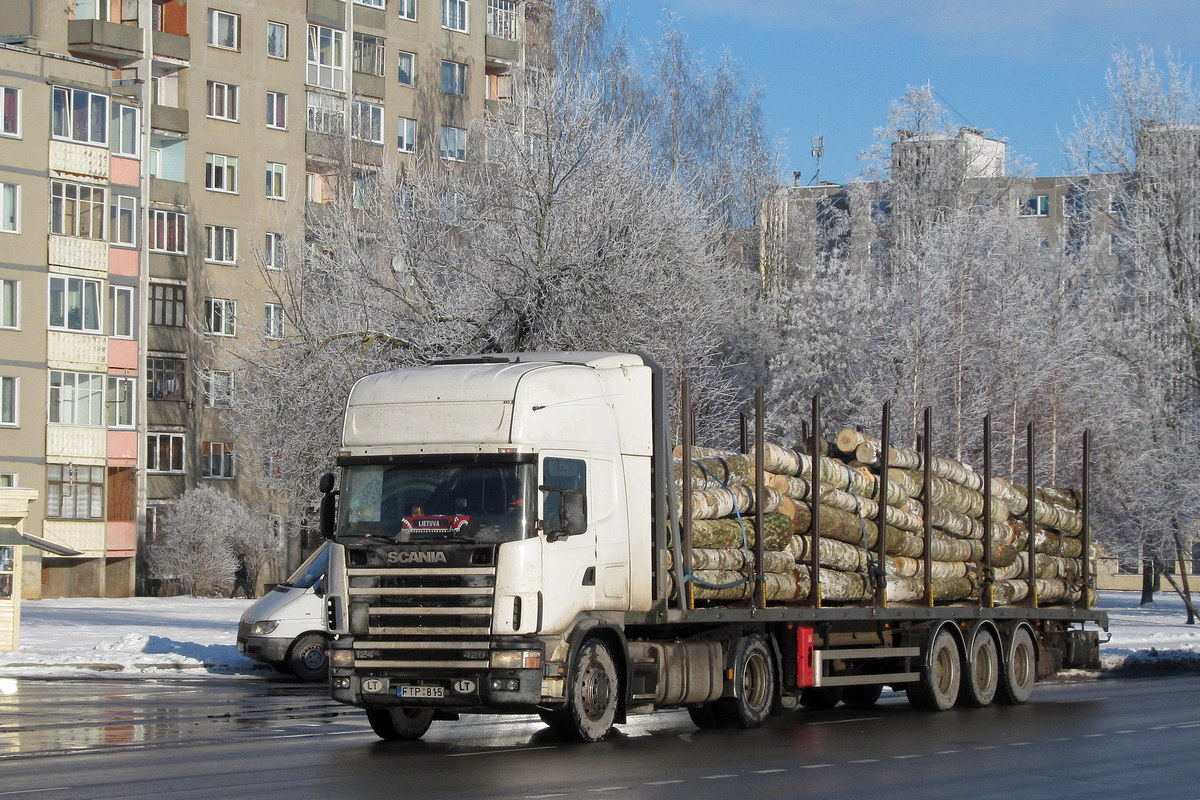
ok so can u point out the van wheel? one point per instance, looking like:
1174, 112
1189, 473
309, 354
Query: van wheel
309, 660
400, 724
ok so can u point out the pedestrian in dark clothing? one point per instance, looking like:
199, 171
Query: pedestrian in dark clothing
241, 578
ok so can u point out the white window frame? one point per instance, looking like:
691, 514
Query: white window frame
457, 150
223, 101
124, 207
121, 301
276, 180
366, 121
76, 399
503, 20
218, 388
9, 401
368, 54
217, 460
407, 9
1037, 205
220, 316
63, 101
220, 173
457, 75
215, 16
273, 252
176, 448
126, 132
220, 244
77, 485
325, 67
276, 26
10, 112
406, 134
86, 289
403, 57
456, 15
277, 116
371, 3
161, 221
10, 304
326, 114
10, 208
78, 209
120, 407
273, 321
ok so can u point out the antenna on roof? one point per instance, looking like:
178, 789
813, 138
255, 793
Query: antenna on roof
818, 151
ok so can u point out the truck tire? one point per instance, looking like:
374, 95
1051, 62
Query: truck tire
941, 675
821, 698
400, 724
981, 672
754, 686
705, 717
593, 693
864, 696
1019, 671
309, 659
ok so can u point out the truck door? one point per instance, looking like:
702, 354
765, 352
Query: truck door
569, 562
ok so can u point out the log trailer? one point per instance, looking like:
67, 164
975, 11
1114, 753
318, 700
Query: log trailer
506, 538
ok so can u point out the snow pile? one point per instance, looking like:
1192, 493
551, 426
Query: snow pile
150, 636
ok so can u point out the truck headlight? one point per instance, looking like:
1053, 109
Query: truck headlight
516, 659
341, 658
264, 627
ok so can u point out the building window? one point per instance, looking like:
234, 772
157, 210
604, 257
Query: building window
164, 452
10, 111
8, 480
125, 131
220, 173
502, 19
454, 143
10, 304
1036, 206
77, 209
454, 78
8, 401
165, 378
326, 114
220, 316
222, 244
276, 181
274, 320
218, 388
371, 3
367, 122
79, 115
454, 15
224, 29
369, 54
122, 393
75, 304
408, 9
167, 305
277, 40
74, 492
407, 65
325, 57
76, 398
216, 459
222, 101
406, 134
124, 220
120, 301
273, 254
168, 231
10, 208
277, 110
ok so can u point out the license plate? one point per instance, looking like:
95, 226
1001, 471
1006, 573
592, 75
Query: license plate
424, 692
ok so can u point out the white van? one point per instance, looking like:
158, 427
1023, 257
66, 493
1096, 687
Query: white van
286, 628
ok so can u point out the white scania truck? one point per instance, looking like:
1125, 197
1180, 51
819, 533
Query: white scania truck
505, 540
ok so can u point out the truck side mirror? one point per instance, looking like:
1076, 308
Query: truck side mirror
566, 513
328, 519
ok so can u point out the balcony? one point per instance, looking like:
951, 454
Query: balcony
170, 45
169, 118
110, 42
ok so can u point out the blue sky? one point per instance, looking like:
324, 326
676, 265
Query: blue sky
1017, 69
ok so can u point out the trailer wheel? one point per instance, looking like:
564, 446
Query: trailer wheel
308, 659
981, 672
592, 695
821, 698
865, 696
754, 686
941, 675
400, 724
1019, 671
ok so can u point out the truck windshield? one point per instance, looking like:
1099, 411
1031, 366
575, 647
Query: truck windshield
486, 503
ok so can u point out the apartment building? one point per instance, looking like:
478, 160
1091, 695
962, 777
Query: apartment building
155, 157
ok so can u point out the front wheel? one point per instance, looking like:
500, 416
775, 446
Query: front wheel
592, 695
400, 724
309, 659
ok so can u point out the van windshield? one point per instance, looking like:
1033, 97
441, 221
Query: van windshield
469, 503
311, 571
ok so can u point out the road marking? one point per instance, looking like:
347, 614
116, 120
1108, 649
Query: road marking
663, 783
608, 789
865, 761
946, 752
768, 771
816, 766
843, 721
1020, 744
901, 758
716, 777
504, 751
16, 792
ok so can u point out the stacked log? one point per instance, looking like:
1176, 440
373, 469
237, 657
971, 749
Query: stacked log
852, 492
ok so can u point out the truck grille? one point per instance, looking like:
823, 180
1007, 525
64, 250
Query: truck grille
421, 617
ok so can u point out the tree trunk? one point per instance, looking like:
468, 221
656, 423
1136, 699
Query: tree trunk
1186, 592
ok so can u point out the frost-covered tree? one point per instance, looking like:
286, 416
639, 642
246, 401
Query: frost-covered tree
203, 532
